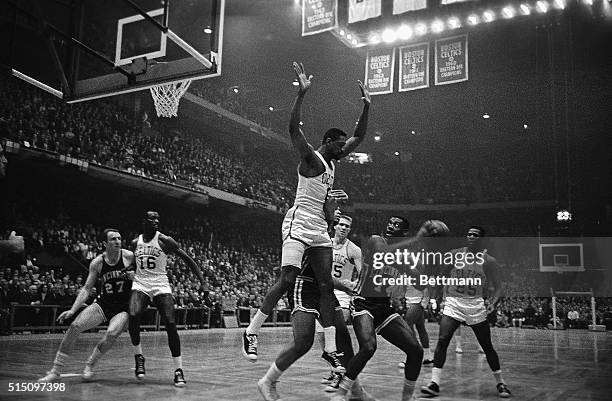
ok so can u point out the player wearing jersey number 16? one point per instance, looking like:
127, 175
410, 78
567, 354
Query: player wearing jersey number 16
151, 250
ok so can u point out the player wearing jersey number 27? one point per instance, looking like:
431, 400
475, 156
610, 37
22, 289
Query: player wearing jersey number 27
113, 268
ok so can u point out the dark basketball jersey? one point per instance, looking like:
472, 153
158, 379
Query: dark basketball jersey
116, 287
367, 284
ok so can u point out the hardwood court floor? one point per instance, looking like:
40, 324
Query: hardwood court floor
538, 365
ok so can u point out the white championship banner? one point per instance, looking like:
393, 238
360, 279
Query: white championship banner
451, 60
414, 67
319, 16
402, 6
361, 10
380, 70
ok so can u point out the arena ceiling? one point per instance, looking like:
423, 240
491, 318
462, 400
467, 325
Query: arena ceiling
546, 72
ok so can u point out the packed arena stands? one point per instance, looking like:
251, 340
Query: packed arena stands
237, 262
104, 133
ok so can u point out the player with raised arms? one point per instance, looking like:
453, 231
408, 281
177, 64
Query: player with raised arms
305, 225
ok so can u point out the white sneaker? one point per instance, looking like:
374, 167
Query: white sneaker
401, 365
50, 377
458, 350
88, 373
268, 390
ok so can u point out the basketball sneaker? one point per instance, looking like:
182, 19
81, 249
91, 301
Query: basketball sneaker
431, 389
268, 390
139, 370
332, 359
458, 350
503, 390
427, 361
334, 384
51, 376
249, 346
179, 379
328, 379
88, 373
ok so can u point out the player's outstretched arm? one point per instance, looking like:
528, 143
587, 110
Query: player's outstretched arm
298, 139
362, 124
170, 244
94, 271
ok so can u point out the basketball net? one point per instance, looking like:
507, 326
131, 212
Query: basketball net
168, 96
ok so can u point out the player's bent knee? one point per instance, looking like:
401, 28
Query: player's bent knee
368, 348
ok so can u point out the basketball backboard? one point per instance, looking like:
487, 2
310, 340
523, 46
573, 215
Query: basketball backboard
86, 49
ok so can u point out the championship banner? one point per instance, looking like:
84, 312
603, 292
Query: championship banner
402, 6
451, 60
360, 10
414, 67
319, 16
380, 70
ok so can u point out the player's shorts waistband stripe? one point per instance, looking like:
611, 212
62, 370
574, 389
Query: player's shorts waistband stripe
386, 322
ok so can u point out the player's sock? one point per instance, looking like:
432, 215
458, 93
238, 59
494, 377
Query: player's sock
178, 362
330, 339
345, 385
498, 376
273, 374
137, 349
408, 390
436, 375
458, 347
59, 362
427, 354
94, 357
256, 323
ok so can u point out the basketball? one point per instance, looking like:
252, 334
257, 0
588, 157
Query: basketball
436, 228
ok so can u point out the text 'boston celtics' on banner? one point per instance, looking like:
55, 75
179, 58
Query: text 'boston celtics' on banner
319, 16
414, 67
380, 70
451, 60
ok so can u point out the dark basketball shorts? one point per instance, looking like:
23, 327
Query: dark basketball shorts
381, 313
111, 309
306, 296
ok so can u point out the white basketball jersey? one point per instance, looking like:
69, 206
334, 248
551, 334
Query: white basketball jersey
413, 296
151, 260
343, 264
312, 191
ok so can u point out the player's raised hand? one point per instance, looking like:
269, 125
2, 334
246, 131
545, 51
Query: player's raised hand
302, 79
365, 95
65, 316
338, 194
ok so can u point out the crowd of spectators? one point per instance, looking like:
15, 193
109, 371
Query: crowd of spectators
102, 132
237, 266
451, 177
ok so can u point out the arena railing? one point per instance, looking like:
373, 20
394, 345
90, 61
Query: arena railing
43, 318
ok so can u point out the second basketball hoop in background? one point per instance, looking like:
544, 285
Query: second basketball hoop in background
168, 96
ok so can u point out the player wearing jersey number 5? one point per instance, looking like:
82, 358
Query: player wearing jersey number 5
305, 225
151, 285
